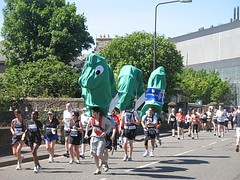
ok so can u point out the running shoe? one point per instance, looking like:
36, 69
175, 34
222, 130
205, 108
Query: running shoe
125, 158
151, 154
19, 167
66, 154
50, 160
237, 148
129, 159
39, 168
97, 172
82, 155
77, 161
160, 142
145, 154
35, 170
105, 167
71, 161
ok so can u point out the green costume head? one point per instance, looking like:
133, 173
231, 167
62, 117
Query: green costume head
155, 92
130, 85
97, 83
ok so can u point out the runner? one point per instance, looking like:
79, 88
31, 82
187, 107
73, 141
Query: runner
237, 121
75, 131
101, 126
188, 122
214, 122
85, 142
209, 119
66, 119
33, 138
149, 121
195, 123
203, 117
51, 125
180, 123
17, 129
220, 121
130, 119
172, 121
109, 143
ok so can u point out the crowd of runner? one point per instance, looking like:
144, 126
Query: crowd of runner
104, 134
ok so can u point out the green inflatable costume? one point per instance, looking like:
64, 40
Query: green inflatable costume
155, 93
97, 83
130, 85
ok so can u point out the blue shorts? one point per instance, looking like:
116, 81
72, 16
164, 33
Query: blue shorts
51, 138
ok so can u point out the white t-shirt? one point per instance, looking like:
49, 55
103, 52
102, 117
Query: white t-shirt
67, 115
84, 120
220, 116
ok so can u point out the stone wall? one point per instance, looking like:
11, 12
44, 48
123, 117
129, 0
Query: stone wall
42, 105
6, 140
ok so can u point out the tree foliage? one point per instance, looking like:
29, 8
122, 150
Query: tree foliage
34, 30
45, 78
205, 86
137, 49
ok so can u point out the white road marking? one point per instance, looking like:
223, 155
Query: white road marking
184, 152
225, 139
143, 166
209, 144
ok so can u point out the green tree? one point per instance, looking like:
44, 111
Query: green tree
205, 86
137, 49
44, 78
34, 30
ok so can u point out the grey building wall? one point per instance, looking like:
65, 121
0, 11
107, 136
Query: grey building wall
216, 48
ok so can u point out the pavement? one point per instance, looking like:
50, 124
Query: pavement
42, 152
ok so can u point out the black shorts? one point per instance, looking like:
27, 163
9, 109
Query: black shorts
130, 134
75, 140
173, 124
86, 141
31, 140
180, 124
108, 141
221, 123
66, 133
150, 133
204, 120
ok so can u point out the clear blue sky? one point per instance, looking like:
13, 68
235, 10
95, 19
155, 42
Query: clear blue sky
127, 16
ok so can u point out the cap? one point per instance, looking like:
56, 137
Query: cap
50, 112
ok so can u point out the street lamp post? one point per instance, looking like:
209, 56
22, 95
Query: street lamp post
155, 26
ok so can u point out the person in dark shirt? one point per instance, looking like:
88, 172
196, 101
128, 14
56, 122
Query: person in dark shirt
33, 137
51, 125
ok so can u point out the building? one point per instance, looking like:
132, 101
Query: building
2, 60
214, 48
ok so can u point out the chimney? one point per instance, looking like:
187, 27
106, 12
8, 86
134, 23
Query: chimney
234, 14
238, 13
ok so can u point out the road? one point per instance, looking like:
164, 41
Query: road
208, 157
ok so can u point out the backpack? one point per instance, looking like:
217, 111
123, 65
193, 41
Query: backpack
128, 116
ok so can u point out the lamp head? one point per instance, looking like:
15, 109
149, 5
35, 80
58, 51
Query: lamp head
185, 1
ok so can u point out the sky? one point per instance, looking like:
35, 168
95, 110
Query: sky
112, 17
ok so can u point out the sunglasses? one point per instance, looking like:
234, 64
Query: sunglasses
73, 115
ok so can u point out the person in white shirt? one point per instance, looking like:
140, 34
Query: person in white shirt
84, 120
67, 115
188, 122
130, 120
149, 121
220, 121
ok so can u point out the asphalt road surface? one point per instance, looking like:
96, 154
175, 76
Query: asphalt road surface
208, 157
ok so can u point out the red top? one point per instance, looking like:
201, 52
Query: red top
180, 117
